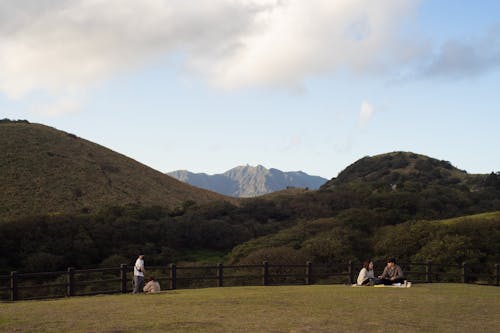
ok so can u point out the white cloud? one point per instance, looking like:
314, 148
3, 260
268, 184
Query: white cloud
366, 113
296, 39
58, 45
55, 45
61, 44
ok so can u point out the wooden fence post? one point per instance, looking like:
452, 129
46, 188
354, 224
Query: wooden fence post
173, 276
497, 274
70, 290
123, 278
350, 270
220, 275
428, 272
265, 273
464, 272
13, 286
309, 272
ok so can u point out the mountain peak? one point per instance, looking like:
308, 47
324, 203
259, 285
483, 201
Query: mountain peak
251, 181
249, 167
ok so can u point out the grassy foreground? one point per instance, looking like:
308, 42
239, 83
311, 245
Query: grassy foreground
319, 308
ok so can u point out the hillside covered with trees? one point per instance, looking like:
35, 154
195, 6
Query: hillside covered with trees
398, 204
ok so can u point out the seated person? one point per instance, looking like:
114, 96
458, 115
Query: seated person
366, 275
152, 286
392, 273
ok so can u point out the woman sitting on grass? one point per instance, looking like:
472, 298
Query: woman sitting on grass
152, 286
366, 275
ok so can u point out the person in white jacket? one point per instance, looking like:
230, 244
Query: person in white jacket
366, 275
152, 286
139, 274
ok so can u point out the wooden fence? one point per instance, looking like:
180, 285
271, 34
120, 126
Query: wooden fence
79, 282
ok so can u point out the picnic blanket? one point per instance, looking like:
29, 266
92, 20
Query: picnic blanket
395, 285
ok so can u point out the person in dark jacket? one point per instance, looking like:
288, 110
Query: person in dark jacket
392, 273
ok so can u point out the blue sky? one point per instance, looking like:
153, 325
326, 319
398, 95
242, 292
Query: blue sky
295, 85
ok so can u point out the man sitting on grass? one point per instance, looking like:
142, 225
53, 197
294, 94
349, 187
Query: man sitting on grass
392, 273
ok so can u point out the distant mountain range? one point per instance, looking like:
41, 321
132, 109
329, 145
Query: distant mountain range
249, 181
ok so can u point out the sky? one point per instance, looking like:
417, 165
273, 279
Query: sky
207, 85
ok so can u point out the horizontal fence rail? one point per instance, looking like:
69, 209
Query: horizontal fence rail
80, 282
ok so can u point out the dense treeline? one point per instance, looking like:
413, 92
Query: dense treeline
117, 234
348, 222
8, 121
474, 239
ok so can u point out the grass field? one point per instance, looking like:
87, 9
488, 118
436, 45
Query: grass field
318, 308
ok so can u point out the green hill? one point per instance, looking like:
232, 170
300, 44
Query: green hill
403, 170
47, 171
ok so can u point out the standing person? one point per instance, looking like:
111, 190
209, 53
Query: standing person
366, 275
139, 274
392, 273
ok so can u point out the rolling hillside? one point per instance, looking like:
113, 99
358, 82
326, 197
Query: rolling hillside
250, 181
47, 171
404, 170
380, 206
399, 204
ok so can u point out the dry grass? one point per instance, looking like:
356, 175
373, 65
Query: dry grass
422, 308
44, 170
